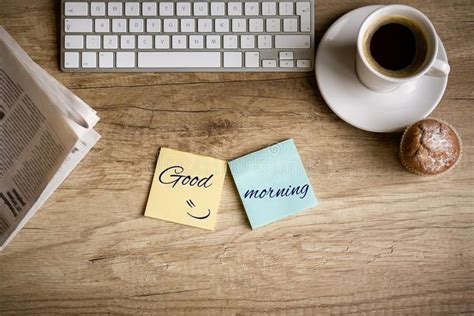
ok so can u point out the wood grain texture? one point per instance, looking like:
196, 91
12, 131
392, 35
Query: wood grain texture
382, 241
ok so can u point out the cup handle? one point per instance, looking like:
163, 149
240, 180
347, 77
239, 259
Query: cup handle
440, 68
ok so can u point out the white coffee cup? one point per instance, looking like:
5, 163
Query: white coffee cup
377, 81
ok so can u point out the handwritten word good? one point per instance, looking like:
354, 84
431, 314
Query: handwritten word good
173, 175
186, 189
272, 183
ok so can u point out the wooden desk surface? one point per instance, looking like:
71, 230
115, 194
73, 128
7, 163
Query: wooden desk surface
381, 241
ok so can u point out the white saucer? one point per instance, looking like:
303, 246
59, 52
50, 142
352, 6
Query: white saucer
358, 105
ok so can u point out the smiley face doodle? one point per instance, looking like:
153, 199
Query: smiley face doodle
191, 205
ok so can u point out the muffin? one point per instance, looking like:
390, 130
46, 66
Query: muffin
430, 147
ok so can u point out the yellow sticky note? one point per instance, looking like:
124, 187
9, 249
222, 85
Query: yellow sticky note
186, 188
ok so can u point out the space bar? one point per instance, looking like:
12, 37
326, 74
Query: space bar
179, 60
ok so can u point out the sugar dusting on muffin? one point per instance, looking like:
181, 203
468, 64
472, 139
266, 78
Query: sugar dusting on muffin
430, 147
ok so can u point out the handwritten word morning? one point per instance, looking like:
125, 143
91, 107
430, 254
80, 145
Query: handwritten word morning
175, 175
299, 191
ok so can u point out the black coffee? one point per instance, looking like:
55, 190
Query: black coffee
397, 47
393, 46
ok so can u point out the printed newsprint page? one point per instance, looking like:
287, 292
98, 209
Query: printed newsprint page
45, 131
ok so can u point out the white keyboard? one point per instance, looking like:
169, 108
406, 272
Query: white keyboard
149, 36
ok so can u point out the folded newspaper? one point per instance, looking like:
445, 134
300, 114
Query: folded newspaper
45, 131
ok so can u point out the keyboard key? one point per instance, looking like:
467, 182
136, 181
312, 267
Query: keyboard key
98, 9
110, 42
153, 25
196, 41
269, 8
166, 8
303, 9
290, 25
286, 55
204, 25
286, 63
71, 60
232, 59
252, 59
132, 9
126, 60
179, 59
200, 8
286, 8
222, 25
303, 63
89, 60
239, 25
119, 25
74, 41
76, 8
145, 42
183, 9
251, 8
292, 41
269, 63
102, 25
273, 25
136, 25
115, 9
256, 25
234, 8
149, 9
217, 8
230, 41
78, 25
162, 41
106, 60
127, 42
93, 42
170, 25
264, 41
179, 41
213, 41
247, 41
188, 25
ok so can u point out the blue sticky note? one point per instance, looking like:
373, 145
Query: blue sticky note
272, 183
